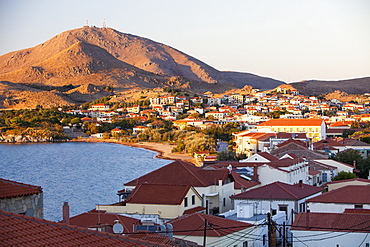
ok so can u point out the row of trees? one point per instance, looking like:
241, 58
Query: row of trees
37, 123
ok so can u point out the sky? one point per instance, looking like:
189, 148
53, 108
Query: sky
287, 40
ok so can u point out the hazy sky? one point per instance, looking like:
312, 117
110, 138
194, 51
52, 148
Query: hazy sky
288, 40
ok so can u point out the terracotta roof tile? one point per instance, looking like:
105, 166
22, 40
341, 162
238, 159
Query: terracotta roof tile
10, 188
353, 194
334, 222
292, 122
241, 183
158, 194
19, 230
217, 226
279, 190
181, 173
96, 218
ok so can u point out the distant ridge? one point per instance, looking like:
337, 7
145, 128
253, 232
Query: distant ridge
318, 87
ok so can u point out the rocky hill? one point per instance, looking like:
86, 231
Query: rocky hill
102, 57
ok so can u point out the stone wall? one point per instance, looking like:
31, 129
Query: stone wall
30, 205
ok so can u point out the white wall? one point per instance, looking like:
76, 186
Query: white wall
327, 239
332, 207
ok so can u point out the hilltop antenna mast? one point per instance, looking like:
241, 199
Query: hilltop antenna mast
87, 23
104, 24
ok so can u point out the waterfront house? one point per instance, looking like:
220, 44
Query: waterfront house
214, 186
164, 201
21, 198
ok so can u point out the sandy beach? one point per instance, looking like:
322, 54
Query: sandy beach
163, 150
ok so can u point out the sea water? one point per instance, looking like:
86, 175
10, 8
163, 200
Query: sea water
82, 174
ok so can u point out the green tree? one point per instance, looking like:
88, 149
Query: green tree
355, 125
75, 120
348, 156
342, 175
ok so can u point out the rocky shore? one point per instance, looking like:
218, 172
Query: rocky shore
26, 139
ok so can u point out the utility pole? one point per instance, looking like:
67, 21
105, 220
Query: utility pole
284, 235
205, 233
269, 225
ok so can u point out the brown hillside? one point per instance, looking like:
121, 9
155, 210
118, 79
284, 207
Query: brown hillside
106, 57
140, 52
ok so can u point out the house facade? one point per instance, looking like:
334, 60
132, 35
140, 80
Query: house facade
276, 197
337, 201
165, 201
315, 129
214, 186
331, 229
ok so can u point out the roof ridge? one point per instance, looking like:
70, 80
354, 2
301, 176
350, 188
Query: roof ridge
185, 165
280, 185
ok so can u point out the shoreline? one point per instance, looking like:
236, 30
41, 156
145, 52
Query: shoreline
163, 150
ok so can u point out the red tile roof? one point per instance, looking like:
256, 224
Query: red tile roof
298, 142
329, 142
96, 218
279, 190
149, 236
352, 194
194, 210
10, 188
268, 156
193, 225
181, 173
19, 230
241, 183
333, 222
158, 194
292, 122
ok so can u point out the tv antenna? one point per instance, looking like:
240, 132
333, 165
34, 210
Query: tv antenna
104, 24
87, 23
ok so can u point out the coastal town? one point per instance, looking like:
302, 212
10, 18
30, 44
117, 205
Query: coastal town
280, 169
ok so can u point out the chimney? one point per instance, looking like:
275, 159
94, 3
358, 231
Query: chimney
66, 213
255, 174
354, 164
301, 183
308, 219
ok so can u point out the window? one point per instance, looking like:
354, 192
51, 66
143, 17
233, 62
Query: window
264, 239
186, 202
358, 206
245, 244
324, 177
283, 208
224, 202
193, 200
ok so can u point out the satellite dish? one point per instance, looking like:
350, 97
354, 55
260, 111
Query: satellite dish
118, 227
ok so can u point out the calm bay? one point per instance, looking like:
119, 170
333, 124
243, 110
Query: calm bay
83, 174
